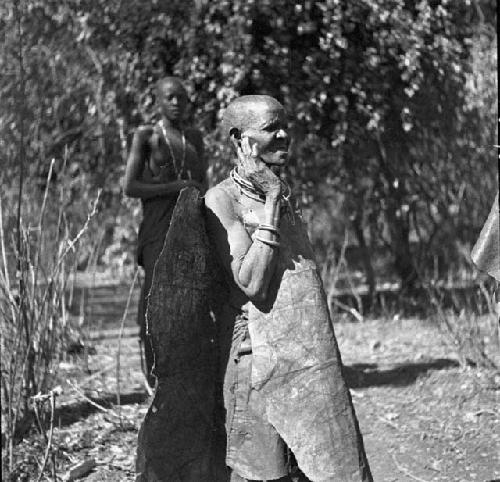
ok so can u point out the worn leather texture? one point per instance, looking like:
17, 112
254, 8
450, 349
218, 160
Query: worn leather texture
179, 440
486, 251
297, 367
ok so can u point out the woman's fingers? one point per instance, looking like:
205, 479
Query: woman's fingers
249, 148
246, 148
255, 150
241, 155
248, 163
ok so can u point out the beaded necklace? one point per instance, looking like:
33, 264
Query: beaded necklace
249, 190
174, 160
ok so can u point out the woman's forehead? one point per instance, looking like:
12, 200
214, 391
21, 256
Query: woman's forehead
266, 115
170, 87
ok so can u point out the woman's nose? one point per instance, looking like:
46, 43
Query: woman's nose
282, 134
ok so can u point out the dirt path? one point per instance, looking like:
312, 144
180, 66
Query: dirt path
422, 416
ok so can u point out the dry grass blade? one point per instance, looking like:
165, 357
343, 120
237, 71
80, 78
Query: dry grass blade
83, 230
48, 447
118, 353
464, 329
40, 222
352, 311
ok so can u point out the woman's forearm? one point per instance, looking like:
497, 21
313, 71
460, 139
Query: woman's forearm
259, 263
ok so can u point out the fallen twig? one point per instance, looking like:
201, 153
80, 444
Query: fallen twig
88, 399
405, 471
388, 422
96, 374
81, 469
111, 334
487, 412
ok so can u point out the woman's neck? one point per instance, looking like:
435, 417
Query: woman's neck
241, 173
169, 124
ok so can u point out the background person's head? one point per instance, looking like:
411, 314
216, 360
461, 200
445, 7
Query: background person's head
262, 119
172, 98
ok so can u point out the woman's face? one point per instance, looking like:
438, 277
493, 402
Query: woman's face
172, 99
269, 134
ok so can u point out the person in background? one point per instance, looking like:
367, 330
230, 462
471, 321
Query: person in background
164, 159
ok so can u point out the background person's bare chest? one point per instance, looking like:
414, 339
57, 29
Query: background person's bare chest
173, 158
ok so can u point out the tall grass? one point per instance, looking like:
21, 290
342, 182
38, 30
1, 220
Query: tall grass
35, 271
471, 325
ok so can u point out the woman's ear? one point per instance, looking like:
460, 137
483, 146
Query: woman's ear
235, 133
235, 137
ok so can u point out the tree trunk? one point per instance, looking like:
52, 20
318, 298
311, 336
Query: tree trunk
399, 228
357, 225
399, 224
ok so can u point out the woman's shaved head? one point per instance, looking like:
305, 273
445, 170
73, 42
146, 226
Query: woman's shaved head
247, 112
172, 81
260, 120
171, 98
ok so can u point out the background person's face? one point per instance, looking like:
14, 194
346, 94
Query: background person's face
172, 99
269, 133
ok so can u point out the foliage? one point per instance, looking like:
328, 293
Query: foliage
392, 103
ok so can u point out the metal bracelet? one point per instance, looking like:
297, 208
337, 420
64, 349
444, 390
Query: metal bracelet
269, 242
270, 228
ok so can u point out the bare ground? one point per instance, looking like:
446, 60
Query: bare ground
423, 416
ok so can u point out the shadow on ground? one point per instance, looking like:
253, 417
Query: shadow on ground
364, 375
358, 375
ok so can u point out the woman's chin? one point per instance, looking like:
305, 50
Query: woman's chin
278, 160
276, 166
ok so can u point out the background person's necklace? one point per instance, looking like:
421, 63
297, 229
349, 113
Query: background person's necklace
178, 172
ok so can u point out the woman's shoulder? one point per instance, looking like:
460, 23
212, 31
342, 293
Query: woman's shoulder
222, 193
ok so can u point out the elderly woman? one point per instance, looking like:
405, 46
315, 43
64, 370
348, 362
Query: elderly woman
284, 389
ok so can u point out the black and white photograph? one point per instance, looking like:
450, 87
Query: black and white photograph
249, 241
